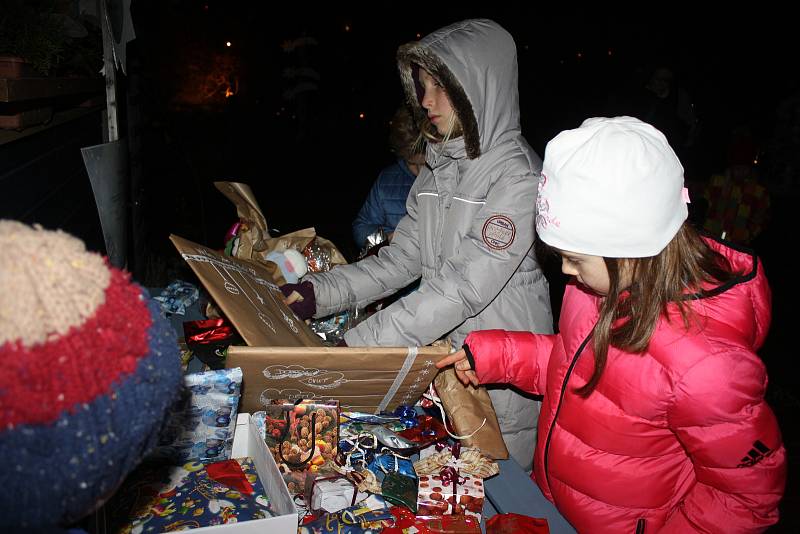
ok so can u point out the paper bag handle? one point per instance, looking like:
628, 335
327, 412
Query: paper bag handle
313, 442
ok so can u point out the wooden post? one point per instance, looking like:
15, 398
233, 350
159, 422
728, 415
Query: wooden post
110, 71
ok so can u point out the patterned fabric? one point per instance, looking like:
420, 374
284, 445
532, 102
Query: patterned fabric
90, 368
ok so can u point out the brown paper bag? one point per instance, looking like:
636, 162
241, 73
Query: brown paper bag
254, 230
255, 242
363, 379
466, 407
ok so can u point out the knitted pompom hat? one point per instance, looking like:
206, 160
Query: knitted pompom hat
89, 368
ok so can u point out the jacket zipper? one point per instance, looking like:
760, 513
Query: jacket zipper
640, 525
558, 408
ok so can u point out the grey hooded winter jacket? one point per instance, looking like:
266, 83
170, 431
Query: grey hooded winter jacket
469, 231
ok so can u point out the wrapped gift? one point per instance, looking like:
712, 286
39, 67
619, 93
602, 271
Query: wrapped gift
303, 438
333, 494
466, 461
368, 517
405, 522
400, 489
159, 498
449, 493
209, 340
451, 481
200, 426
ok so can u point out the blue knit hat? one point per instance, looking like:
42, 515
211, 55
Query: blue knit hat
89, 368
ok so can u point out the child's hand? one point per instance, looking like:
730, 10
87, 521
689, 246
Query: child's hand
462, 367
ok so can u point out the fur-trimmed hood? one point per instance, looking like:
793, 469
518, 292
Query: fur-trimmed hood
470, 59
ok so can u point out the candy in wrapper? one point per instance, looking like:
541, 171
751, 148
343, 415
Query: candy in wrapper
400, 489
405, 521
317, 258
516, 524
209, 340
332, 328
389, 462
428, 431
178, 296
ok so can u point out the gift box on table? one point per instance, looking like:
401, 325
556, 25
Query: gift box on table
285, 359
443, 495
246, 495
451, 481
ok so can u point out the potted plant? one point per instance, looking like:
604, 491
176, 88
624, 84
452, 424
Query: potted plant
32, 40
39, 39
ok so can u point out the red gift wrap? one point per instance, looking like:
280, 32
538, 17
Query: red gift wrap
448, 524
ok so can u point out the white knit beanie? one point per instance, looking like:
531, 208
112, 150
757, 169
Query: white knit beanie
612, 187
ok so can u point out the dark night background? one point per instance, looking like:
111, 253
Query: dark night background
314, 88
311, 159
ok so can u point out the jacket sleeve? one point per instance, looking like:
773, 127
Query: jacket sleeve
371, 215
466, 282
732, 437
374, 277
518, 358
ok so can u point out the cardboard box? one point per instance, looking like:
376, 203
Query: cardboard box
248, 442
362, 379
286, 358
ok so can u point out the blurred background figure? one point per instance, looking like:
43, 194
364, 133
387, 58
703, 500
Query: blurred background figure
386, 202
738, 203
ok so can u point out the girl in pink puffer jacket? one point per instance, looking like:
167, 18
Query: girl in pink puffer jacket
653, 417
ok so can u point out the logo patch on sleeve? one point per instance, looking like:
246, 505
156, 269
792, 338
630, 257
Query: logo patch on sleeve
498, 232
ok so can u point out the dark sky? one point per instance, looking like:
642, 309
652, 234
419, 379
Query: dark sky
736, 65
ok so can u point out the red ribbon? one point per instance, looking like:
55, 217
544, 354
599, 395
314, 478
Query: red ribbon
207, 331
229, 473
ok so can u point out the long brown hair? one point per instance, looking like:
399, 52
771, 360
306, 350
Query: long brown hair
683, 266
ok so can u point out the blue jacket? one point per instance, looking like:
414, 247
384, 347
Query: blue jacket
386, 203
